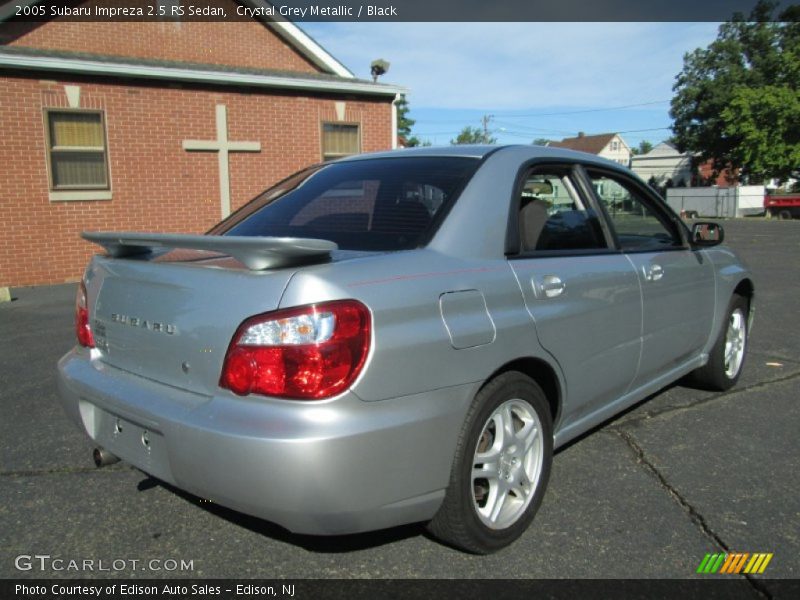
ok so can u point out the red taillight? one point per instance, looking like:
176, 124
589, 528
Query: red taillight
82, 330
307, 353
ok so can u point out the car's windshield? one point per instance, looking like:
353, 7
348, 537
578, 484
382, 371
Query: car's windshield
373, 204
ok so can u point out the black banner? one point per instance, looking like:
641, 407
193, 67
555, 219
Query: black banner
731, 588
380, 10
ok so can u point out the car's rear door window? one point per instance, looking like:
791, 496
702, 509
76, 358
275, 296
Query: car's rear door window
373, 204
553, 216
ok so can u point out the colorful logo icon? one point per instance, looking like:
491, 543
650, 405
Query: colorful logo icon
733, 563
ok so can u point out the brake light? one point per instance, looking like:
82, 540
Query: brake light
307, 353
82, 330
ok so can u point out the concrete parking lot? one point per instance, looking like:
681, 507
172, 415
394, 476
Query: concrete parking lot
645, 496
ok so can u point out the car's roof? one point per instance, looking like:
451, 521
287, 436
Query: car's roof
524, 151
468, 150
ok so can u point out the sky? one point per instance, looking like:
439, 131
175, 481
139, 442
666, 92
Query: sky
536, 80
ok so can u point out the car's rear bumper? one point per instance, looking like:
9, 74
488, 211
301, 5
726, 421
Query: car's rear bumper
338, 466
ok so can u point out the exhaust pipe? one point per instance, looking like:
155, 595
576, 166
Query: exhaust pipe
103, 457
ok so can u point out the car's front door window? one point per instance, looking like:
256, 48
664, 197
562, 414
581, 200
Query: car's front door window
638, 226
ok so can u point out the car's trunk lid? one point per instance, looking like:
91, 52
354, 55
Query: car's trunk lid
172, 318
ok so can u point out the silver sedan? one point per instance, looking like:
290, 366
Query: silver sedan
400, 337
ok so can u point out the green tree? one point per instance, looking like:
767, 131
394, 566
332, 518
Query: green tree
405, 123
736, 101
766, 123
653, 183
540, 142
643, 148
473, 135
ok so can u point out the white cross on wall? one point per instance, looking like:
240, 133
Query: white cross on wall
223, 146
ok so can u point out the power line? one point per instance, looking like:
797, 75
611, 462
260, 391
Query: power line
533, 129
536, 130
424, 133
555, 114
529, 134
527, 131
638, 130
589, 110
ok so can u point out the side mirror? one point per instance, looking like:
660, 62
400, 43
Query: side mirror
707, 234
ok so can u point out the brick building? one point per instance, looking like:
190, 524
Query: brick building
160, 126
707, 174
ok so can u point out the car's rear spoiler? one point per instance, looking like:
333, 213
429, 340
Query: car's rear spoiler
256, 253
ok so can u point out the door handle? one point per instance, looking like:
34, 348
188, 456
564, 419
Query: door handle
552, 286
653, 272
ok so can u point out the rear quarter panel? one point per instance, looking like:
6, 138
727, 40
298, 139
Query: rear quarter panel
412, 351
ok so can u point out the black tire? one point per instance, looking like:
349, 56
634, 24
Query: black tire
785, 215
458, 522
716, 375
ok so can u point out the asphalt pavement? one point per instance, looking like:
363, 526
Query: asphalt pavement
647, 495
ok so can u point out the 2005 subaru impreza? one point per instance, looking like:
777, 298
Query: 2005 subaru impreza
400, 337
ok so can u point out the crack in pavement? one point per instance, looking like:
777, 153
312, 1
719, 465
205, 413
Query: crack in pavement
694, 515
700, 401
65, 471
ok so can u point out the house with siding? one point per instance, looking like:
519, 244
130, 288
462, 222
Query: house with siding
607, 145
664, 165
161, 126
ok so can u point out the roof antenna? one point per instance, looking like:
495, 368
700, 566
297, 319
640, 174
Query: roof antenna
378, 68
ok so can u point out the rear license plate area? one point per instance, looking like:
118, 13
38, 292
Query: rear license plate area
140, 445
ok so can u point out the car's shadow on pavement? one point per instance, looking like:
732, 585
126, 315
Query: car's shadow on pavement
312, 543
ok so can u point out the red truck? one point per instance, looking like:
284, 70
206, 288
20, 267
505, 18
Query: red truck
783, 206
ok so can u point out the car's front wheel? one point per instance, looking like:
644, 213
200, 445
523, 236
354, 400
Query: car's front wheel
726, 358
501, 467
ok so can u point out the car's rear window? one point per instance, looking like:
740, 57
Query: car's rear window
373, 204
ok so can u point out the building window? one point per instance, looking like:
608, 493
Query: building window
339, 140
614, 145
76, 143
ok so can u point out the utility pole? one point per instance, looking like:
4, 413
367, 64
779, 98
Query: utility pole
485, 120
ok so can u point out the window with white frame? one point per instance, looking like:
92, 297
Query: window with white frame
76, 148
